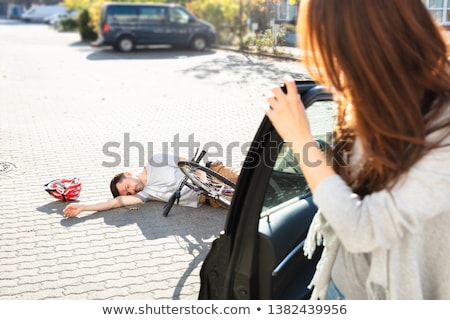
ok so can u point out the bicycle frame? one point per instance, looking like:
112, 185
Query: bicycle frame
177, 194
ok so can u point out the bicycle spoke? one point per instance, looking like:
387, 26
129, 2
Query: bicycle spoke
211, 183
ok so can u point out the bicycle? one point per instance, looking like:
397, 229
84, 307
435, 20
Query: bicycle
204, 180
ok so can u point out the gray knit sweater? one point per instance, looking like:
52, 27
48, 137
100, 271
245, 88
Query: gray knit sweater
389, 245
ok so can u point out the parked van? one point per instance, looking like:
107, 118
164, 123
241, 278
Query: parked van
39, 13
127, 25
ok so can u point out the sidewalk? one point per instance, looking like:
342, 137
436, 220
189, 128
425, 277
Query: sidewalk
61, 103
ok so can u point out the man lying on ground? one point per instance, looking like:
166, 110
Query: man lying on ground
158, 180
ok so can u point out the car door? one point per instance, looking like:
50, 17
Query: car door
181, 26
259, 255
151, 26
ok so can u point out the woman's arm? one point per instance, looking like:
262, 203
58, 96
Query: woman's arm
288, 115
379, 219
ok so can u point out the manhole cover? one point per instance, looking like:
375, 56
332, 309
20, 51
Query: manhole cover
7, 167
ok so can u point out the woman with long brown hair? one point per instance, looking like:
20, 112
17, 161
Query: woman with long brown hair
384, 212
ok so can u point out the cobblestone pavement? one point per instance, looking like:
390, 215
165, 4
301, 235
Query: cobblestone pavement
63, 105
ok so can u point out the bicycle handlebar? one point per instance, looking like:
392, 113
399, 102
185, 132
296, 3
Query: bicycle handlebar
200, 157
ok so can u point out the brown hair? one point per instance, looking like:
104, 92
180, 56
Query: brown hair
388, 60
114, 181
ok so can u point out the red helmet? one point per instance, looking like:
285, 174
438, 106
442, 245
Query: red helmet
64, 189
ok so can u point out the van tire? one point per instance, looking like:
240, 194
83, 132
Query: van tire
124, 44
199, 43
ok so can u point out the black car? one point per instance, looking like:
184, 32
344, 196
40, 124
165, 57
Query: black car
259, 255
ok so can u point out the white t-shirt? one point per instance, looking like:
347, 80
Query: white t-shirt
163, 179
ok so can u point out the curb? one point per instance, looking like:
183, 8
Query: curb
291, 55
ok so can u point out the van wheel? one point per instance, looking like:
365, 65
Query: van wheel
124, 44
199, 44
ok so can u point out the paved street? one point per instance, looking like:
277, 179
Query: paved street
69, 110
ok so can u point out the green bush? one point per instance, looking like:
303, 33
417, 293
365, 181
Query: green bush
86, 31
68, 24
264, 41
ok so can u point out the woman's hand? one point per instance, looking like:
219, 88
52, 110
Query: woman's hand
287, 113
288, 116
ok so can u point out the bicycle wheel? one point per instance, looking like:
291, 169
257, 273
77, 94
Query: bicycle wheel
210, 182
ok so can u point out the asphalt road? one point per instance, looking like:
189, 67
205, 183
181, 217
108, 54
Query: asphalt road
70, 110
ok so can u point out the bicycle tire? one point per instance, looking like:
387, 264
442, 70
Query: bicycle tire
212, 184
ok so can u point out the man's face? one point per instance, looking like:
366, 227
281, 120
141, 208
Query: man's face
130, 185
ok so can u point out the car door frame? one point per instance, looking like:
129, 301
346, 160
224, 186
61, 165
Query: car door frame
230, 271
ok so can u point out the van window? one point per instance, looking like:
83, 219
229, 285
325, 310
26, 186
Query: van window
123, 13
177, 15
152, 14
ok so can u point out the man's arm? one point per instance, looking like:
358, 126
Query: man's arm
74, 209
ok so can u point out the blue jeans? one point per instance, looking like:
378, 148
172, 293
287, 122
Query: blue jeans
333, 292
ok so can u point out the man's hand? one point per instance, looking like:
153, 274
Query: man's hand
72, 210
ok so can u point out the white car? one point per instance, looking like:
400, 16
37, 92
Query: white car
40, 13
55, 19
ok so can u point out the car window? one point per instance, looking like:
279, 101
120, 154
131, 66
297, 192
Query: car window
287, 183
123, 13
152, 14
178, 15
